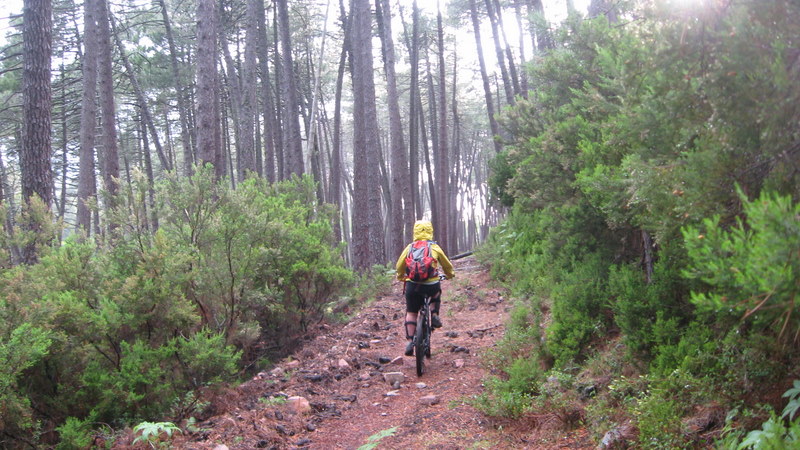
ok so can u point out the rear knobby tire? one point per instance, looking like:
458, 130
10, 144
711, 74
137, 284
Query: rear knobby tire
419, 341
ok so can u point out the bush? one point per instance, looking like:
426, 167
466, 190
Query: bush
753, 268
132, 331
578, 305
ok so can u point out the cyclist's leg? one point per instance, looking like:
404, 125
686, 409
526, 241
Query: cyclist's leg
436, 304
413, 304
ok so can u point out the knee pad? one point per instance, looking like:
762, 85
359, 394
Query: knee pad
408, 322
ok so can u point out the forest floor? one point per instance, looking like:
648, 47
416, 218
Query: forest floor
333, 393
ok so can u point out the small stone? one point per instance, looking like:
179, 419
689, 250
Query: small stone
279, 428
221, 447
362, 345
365, 385
298, 405
262, 443
302, 442
277, 372
396, 385
311, 427
451, 334
457, 349
364, 376
293, 364
398, 361
394, 377
375, 341
343, 364
429, 400
394, 393
384, 360
459, 363
421, 385
314, 377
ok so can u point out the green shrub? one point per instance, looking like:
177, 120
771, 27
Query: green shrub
658, 417
21, 348
753, 268
578, 304
74, 434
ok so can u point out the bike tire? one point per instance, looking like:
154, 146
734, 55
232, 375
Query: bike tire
419, 341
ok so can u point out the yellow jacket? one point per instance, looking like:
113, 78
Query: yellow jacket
423, 231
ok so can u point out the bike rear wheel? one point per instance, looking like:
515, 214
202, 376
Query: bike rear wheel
422, 340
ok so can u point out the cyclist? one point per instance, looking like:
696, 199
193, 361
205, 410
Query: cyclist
415, 291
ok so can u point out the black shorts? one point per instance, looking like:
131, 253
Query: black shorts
415, 294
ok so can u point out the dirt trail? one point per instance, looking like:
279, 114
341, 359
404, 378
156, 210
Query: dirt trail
340, 374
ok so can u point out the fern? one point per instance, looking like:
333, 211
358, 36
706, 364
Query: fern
151, 431
372, 441
794, 401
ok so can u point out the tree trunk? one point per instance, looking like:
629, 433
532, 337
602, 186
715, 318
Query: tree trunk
61, 199
453, 169
512, 66
183, 111
148, 170
523, 77
141, 100
209, 139
270, 120
86, 168
413, 121
442, 162
247, 147
498, 48
107, 111
291, 111
368, 245
35, 164
336, 178
487, 89
400, 205
280, 137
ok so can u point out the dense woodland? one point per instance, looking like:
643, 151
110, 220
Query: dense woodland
187, 187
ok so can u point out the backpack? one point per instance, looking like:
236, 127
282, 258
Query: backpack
419, 262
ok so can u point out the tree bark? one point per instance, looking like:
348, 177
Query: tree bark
183, 111
368, 246
86, 167
291, 111
35, 164
107, 111
487, 89
270, 120
247, 148
498, 48
442, 162
141, 100
512, 66
209, 139
401, 212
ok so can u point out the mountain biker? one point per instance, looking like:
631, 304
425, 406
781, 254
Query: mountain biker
415, 292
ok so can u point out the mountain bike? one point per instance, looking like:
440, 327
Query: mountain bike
422, 337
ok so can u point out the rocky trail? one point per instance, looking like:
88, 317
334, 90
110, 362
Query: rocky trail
351, 386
